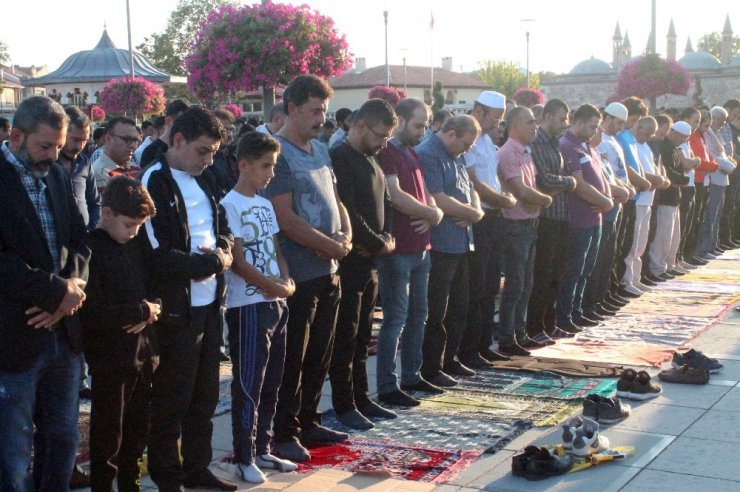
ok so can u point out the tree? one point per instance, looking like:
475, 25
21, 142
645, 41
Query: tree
264, 45
4, 53
168, 49
132, 96
650, 76
505, 77
438, 97
392, 95
712, 43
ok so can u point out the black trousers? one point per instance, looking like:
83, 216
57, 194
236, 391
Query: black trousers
728, 227
697, 215
184, 396
485, 280
119, 426
626, 236
686, 210
310, 338
348, 368
552, 249
448, 310
597, 285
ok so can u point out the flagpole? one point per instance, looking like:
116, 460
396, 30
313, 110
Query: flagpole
130, 46
431, 58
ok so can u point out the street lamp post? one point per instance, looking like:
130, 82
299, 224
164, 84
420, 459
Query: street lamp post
130, 46
527, 37
387, 67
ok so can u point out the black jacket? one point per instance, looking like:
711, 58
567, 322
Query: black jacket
170, 263
26, 266
116, 295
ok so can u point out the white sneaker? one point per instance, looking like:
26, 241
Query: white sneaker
633, 290
569, 431
587, 439
250, 473
271, 462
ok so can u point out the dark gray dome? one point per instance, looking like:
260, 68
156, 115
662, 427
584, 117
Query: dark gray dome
592, 66
699, 60
100, 64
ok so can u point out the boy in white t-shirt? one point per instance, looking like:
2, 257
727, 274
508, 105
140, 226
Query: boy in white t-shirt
258, 283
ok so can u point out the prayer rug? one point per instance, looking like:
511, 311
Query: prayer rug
616, 352
564, 367
400, 461
708, 287
83, 428
645, 328
415, 428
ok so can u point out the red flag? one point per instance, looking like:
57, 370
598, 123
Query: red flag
431, 20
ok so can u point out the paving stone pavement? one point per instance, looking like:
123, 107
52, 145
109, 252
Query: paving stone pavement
685, 440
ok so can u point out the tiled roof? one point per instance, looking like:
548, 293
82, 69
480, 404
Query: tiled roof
415, 77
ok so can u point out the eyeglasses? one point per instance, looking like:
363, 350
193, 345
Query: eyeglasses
380, 136
128, 140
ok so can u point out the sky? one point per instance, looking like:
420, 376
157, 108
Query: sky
562, 33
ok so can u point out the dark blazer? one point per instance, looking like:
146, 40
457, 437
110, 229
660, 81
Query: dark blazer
26, 266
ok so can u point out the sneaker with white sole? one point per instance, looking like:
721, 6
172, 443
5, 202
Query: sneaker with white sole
272, 462
696, 360
569, 431
637, 386
587, 439
250, 473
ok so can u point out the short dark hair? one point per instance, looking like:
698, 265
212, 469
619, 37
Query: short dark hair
585, 112
99, 132
553, 106
329, 124
635, 106
514, 114
304, 87
127, 196
663, 119
687, 113
253, 145
441, 115
224, 114
77, 117
342, 114
39, 110
405, 109
176, 107
159, 123
111, 123
275, 110
195, 122
4, 123
376, 111
146, 125
731, 104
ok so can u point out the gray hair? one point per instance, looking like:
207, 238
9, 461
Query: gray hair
463, 124
39, 110
647, 120
515, 114
718, 112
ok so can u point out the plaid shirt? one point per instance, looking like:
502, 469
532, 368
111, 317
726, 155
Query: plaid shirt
36, 188
725, 133
551, 174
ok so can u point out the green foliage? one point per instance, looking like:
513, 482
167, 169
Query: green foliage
505, 77
439, 98
167, 49
712, 43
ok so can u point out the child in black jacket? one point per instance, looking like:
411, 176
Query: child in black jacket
118, 341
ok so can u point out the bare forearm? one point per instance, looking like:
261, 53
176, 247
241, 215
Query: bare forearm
455, 208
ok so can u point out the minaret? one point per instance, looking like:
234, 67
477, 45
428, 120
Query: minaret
617, 47
689, 48
626, 48
726, 46
671, 43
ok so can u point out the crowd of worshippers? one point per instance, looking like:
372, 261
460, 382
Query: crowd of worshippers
287, 235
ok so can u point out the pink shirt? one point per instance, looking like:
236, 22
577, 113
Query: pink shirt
514, 159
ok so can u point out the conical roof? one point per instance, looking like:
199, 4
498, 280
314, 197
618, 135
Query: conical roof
671, 30
100, 64
728, 28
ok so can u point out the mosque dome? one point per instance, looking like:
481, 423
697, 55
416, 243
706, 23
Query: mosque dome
699, 60
102, 63
592, 66
735, 62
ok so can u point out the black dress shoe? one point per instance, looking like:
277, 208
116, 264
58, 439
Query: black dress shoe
695, 261
593, 315
455, 368
423, 385
528, 343
608, 306
557, 333
208, 481
86, 394
513, 349
646, 281
602, 310
627, 294
476, 362
398, 398
584, 322
542, 337
675, 273
80, 478
666, 276
617, 300
569, 327
655, 279
492, 355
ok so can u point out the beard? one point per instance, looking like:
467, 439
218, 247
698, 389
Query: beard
38, 169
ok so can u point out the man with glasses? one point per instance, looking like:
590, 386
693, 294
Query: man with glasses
363, 191
121, 140
447, 180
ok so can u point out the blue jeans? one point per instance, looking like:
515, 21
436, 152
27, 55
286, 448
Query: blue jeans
403, 282
709, 228
520, 245
583, 249
47, 396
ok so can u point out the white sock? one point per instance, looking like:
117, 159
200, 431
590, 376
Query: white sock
272, 462
250, 473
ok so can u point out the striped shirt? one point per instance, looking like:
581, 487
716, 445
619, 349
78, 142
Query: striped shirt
551, 174
36, 189
514, 159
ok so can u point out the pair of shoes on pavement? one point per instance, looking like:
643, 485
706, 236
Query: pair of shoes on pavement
685, 375
605, 410
582, 438
540, 463
637, 386
696, 360
252, 472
